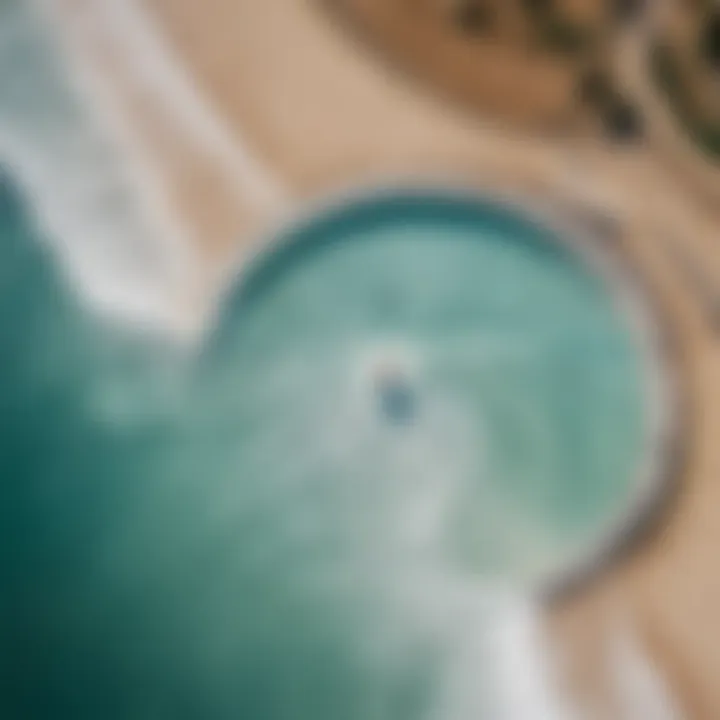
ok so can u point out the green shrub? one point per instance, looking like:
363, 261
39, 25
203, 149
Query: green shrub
564, 37
538, 7
668, 77
594, 87
474, 17
710, 40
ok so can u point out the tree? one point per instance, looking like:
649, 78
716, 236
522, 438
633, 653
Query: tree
622, 121
538, 7
474, 16
627, 10
594, 87
710, 40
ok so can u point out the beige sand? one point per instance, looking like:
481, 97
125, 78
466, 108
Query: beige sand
503, 74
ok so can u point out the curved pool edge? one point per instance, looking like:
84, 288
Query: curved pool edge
652, 333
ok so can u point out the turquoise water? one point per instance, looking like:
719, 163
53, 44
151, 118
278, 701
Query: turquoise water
522, 377
408, 405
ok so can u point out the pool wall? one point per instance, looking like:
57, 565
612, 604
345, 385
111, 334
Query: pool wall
295, 233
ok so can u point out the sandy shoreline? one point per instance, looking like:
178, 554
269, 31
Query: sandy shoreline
199, 185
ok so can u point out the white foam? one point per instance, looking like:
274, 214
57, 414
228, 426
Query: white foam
158, 72
109, 236
640, 690
97, 197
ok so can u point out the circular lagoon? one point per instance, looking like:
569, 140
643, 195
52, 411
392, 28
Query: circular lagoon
439, 375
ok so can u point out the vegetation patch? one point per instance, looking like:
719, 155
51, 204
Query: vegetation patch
668, 76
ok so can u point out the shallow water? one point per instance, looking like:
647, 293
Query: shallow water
526, 387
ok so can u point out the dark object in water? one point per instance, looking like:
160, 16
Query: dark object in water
397, 399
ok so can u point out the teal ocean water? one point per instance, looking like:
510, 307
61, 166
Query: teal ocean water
309, 516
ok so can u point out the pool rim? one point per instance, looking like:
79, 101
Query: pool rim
638, 309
